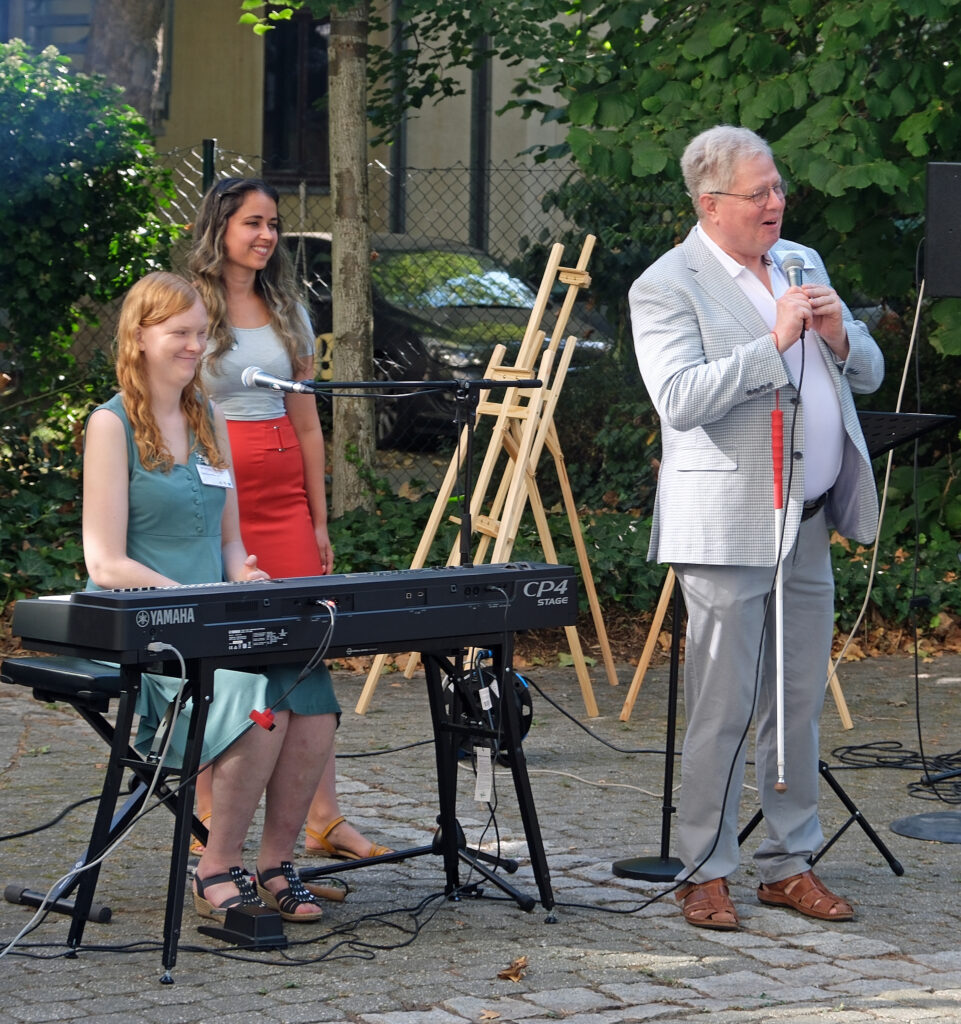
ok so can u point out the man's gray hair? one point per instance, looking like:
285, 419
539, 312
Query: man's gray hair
711, 158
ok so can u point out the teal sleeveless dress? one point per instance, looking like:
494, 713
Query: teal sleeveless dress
173, 527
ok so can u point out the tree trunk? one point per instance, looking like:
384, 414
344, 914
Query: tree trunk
126, 45
353, 440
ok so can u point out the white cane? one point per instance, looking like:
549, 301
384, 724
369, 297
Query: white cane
777, 461
792, 264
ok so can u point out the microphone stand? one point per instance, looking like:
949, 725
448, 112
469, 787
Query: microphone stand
446, 715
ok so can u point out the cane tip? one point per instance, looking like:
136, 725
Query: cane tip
780, 787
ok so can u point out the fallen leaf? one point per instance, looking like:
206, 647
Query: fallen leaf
489, 1015
516, 970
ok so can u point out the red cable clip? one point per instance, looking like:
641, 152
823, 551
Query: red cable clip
265, 719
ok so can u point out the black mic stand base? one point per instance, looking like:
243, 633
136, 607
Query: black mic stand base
651, 869
936, 826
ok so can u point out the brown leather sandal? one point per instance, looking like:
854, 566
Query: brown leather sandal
808, 895
708, 905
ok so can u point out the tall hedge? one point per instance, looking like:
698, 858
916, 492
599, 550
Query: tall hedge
80, 221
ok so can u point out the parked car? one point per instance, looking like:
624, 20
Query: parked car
440, 307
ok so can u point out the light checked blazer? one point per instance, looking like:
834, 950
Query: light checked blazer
711, 367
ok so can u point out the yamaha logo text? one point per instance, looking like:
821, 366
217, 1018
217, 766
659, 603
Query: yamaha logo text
547, 592
165, 617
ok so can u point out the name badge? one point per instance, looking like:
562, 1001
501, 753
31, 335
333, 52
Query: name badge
214, 477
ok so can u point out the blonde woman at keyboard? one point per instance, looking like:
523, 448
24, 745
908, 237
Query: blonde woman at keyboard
160, 509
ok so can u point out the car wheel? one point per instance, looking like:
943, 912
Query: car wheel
387, 425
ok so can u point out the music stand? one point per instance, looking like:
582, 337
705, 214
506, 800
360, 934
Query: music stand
886, 430
882, 432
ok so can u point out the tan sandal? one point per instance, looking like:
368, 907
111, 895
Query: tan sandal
197, 847
708, 905
321, 844
808, 895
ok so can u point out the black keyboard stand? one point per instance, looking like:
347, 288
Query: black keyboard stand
200, 675
450, 731
109, 822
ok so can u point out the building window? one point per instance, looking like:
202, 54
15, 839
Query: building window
64, 24
295, 102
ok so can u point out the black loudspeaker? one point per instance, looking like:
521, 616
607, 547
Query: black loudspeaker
942, 232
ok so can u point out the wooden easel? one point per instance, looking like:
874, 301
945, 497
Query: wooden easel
523, 425
645, 659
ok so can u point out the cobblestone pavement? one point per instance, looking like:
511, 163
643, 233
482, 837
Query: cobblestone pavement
398, 952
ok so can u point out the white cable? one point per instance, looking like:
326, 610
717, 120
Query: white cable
833, 668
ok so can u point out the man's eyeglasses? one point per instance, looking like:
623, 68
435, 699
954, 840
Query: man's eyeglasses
760, 195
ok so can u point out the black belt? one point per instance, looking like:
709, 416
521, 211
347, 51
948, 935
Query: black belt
811, 508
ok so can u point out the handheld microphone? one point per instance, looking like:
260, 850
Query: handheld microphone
254, 377
793, 267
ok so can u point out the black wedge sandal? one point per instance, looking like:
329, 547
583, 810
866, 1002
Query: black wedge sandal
247, 894
288, 900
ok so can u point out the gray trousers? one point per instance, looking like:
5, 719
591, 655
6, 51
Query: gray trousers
727, 631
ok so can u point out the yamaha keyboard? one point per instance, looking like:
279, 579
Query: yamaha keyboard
437, 612
358, 613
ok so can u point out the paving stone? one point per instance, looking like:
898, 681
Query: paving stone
399, 952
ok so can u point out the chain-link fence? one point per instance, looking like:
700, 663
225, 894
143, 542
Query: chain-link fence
500, 209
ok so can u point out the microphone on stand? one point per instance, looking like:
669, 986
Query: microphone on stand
254, 377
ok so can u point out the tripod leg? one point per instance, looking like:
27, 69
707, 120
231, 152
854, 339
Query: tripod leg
856, 816
518, 763
445, 749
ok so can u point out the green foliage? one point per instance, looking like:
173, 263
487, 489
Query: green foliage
40, 462
634, 222
79, 192
609, 435
854, 98
387, 537
79, 195
427, 43
917, 568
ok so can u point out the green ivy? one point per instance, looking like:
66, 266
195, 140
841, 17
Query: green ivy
40, 463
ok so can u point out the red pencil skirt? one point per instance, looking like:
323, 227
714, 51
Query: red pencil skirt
274, 515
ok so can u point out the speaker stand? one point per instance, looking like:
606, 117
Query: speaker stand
854, 816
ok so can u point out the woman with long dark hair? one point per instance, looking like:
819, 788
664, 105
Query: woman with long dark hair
258, 318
